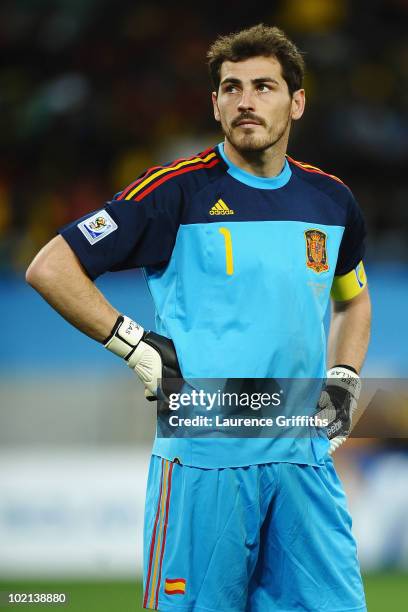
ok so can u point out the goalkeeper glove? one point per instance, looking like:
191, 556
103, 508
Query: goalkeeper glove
338, 402
152, 356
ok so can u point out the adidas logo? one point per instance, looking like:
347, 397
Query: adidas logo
221, 208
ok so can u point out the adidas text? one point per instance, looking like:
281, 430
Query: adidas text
221, 208
221, 212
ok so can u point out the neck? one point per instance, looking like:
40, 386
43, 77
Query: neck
266, 164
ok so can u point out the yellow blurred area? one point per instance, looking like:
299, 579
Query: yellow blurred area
312, 15
129, 166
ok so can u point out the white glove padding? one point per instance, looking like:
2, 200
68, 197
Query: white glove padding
152, 356
338, 403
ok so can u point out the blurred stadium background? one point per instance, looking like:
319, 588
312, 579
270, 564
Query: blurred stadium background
91, 94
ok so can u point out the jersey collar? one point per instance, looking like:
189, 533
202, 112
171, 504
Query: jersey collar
260, 182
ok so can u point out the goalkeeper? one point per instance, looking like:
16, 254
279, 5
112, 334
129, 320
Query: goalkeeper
242, 248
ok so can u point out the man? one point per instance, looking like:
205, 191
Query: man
241, 246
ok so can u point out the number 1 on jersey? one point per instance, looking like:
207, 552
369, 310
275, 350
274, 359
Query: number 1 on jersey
229, 261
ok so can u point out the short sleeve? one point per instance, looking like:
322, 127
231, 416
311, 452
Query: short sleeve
352, 246
127, 233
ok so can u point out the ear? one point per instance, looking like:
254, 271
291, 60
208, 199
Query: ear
215, 106
298, 104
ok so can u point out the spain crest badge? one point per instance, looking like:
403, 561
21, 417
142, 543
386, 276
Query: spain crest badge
316, 250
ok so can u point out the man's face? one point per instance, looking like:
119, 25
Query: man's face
253, 103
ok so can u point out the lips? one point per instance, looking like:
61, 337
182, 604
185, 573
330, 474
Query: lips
248, 122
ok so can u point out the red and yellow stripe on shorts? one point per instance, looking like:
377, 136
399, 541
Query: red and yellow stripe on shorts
158, 539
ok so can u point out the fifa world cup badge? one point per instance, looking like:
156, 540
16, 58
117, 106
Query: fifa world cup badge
97, 226
316, 251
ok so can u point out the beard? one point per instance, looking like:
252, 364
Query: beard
249, 141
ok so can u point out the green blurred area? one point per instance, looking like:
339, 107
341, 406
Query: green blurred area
385, 591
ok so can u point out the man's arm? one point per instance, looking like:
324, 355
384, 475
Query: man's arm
58, 276
350, 331
348, 342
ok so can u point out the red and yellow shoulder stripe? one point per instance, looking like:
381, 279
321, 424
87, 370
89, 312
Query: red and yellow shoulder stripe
314, 169
159, 174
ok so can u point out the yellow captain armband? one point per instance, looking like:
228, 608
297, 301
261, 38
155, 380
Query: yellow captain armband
347, 286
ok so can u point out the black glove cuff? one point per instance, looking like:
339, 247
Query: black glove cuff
125, 336
115, 328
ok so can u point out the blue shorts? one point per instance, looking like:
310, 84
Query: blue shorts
260, 538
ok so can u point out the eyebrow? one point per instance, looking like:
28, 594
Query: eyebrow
254, 81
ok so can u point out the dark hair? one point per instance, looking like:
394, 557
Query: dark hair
260, 40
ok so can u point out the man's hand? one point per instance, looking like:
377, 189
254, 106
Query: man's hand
152, 356
338, 402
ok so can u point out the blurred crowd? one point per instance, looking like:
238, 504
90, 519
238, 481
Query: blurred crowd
92, 92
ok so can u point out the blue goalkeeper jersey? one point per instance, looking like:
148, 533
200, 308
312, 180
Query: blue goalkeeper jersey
240, 269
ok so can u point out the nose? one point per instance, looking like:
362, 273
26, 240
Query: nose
246, 102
